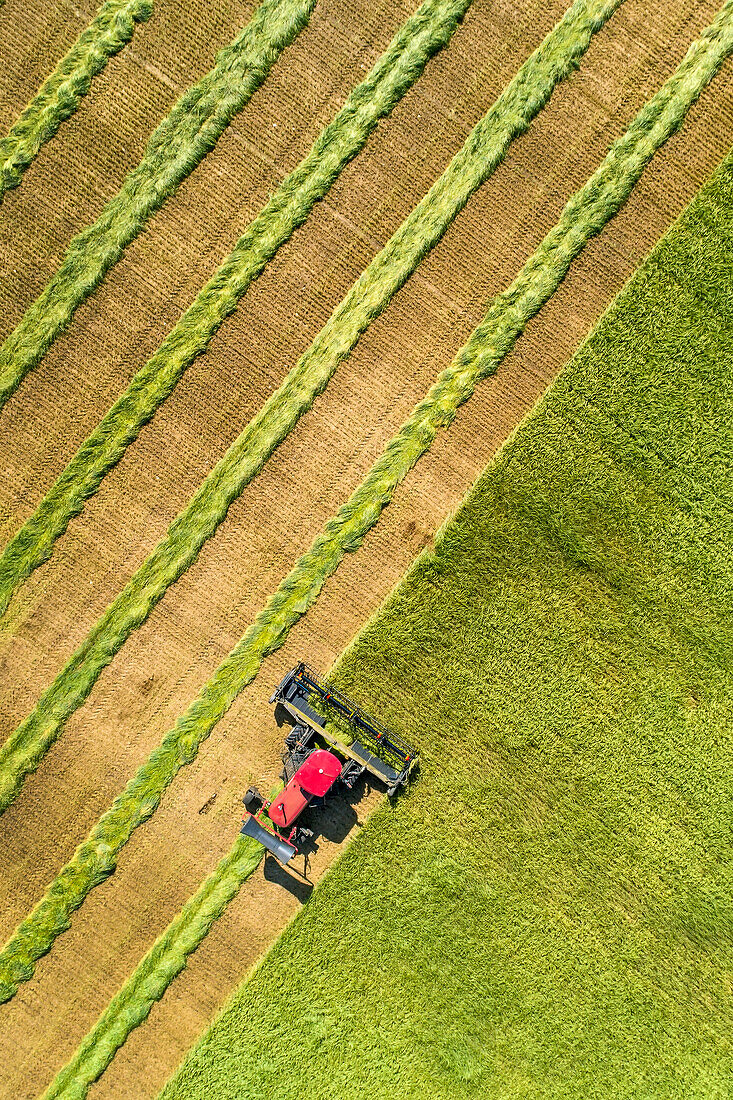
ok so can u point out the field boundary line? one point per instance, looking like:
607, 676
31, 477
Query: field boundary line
61, 93
369, 296
422, 35
157, 969
176, 147
585, 214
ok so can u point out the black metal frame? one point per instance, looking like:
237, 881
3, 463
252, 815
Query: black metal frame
382, 752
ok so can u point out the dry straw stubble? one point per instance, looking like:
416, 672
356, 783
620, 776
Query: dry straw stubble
421, 36
161, 964
584, 215
483, 151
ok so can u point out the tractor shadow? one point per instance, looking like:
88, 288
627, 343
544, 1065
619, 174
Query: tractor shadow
339, 816
282, 716
333, 823
293, 881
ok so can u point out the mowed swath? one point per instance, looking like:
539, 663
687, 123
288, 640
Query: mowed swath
585, 214
565, 852
176, 147
395, 544
421, 36
96, 857
390, 269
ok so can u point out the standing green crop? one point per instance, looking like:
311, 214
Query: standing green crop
585, 214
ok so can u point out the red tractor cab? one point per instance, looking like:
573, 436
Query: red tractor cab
313, 779
359, 744
274, 823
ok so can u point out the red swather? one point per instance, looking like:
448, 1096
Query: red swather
313, 779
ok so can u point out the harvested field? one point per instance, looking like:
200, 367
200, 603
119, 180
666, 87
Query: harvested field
162, 666
176, 147
584, 215
61, 93
390, 269
561, 872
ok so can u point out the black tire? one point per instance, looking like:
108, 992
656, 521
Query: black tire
252, 800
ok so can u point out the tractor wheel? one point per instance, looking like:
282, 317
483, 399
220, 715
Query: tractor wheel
252, 800
292, 737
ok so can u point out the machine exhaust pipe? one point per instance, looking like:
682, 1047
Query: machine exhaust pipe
280, 848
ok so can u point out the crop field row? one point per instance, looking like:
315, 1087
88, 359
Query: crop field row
584, 215
142, 644
146, 188
110, 30
369, 296
560, 871
340, 141
165, 960
175, 149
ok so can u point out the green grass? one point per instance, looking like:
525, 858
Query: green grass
112, 28
390, 269
548, 912
181, 141
428, 30
150, 979
300, 589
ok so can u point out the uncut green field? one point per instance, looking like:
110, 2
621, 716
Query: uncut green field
548, 913
281, 276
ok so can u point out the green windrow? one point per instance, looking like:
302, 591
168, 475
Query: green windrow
165, 959
157, 969
548, 912
370, 295
188, 132
426, 32
95, 858
112, 28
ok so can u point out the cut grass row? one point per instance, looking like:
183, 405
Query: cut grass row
157, 969
482, 153
428, 30
553, 900
112, 28
181, 141
583, 216
162, 963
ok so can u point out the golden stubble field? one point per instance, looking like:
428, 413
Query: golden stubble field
165, 663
